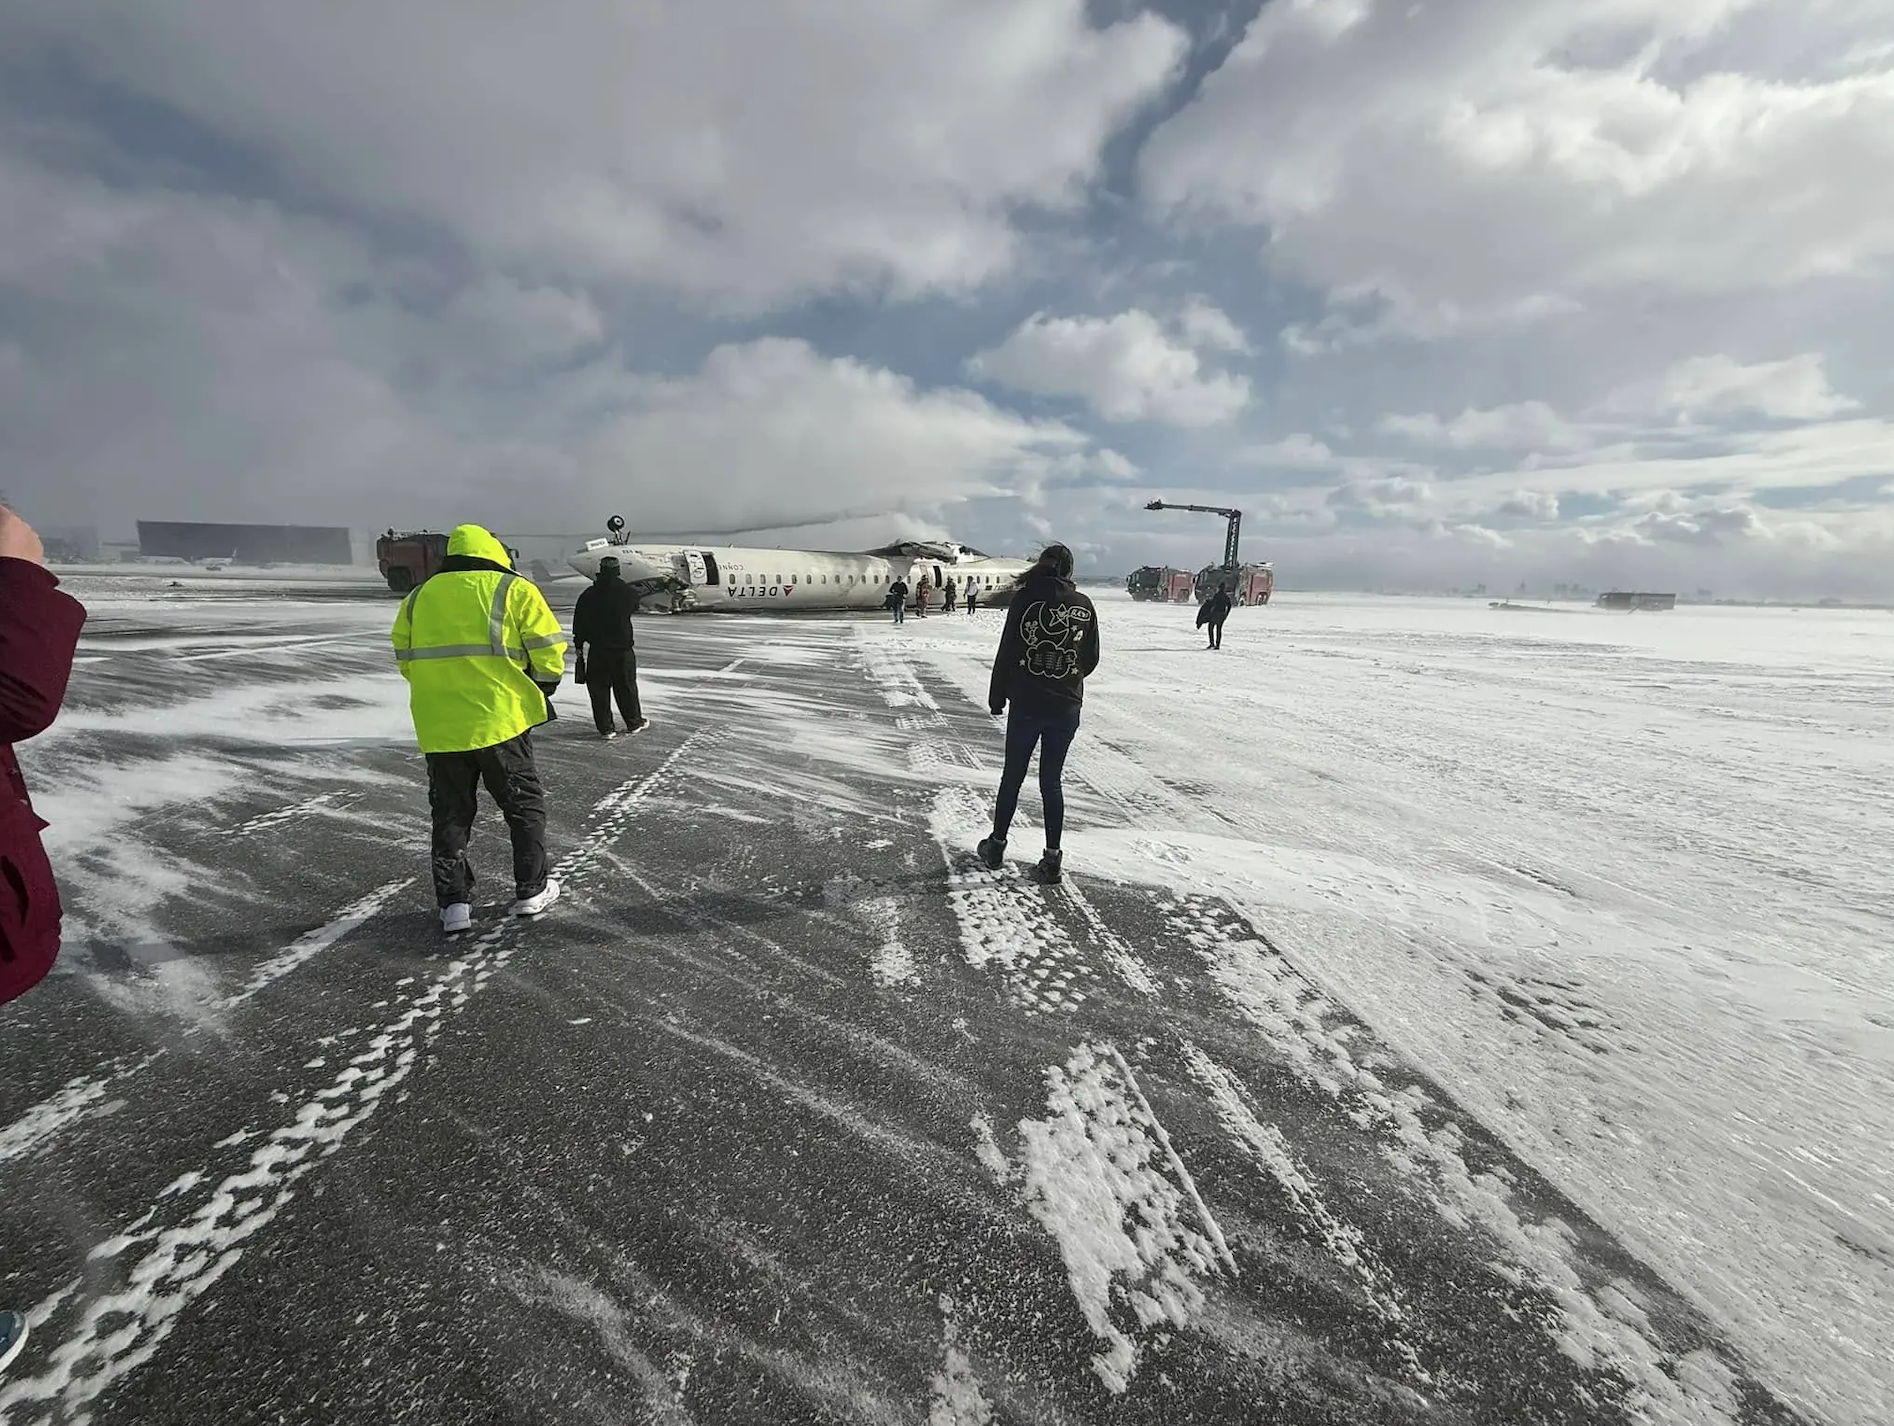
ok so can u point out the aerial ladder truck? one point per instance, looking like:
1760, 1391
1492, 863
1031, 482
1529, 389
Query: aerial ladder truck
1250, 583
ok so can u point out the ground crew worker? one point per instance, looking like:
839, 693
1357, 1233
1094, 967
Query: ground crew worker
602, 621
465, 640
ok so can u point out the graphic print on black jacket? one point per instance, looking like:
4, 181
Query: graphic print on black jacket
1048, 650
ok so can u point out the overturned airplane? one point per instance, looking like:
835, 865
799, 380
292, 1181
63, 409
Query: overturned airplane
736, 577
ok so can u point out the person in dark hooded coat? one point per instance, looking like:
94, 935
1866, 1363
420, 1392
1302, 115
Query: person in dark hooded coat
39, 633
601, 622
1213, 612
1047, 651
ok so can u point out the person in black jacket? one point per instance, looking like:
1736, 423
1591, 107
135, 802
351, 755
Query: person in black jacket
1049, 648
1213, 612
601, 621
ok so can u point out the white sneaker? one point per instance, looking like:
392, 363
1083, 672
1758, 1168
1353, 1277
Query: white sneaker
456, 918
533, 905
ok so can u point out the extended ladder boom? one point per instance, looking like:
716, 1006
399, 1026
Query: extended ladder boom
1235, 517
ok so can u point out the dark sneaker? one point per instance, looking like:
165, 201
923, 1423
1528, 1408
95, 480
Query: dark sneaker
992, 852
1051, 868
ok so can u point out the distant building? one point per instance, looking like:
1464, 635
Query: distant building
71, 544
246, 544
1635, 599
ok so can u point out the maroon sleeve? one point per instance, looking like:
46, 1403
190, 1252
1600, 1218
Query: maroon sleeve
39, 630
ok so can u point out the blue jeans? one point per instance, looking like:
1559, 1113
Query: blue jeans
1052, 734
900, 607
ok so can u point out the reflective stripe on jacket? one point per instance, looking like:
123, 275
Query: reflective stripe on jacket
465, 639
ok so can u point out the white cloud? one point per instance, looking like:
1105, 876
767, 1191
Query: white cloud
536, 267
779, 432
737, 150
1297, 451
1796, 389
1210, 327
1541, 505
1381, 495
1465, 160
1127, 367
1524, 424
261, 367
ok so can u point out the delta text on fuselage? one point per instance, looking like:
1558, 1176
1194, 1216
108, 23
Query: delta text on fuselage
690, 577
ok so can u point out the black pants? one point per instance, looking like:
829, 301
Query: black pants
1052, 734
613, 673
453, 787
1216, 633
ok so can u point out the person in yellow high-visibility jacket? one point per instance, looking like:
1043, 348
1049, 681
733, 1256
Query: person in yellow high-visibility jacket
482, 653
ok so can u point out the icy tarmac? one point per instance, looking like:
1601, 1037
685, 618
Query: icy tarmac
1454, 1015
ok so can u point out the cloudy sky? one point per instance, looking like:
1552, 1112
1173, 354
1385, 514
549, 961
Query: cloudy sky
1439, 291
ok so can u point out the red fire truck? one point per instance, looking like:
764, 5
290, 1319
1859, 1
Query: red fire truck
1249, 583
1160, 582
409, 558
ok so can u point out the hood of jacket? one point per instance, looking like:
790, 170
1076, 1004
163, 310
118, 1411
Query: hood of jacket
1044, 580
477, 542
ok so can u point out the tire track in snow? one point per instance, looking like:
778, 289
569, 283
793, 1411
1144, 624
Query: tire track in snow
1344, 1243
309, 807
1003, 921
958, 1399
1100, 1175
188, 1238
312, 944
1593, 1328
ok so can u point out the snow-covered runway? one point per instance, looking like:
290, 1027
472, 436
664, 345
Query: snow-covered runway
1455, 1015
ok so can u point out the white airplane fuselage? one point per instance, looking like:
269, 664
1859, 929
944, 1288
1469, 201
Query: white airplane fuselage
772, 580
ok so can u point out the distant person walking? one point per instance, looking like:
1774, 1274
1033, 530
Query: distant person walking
601, 621
951, 593
898, 600
1213, 612
1047, 651
464, 640
39, 632
921, 591
973, 597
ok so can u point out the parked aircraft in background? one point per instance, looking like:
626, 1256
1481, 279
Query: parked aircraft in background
738, 577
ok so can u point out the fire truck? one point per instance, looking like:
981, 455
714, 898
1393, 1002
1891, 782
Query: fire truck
1160, 582
407, 559
1250, 583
